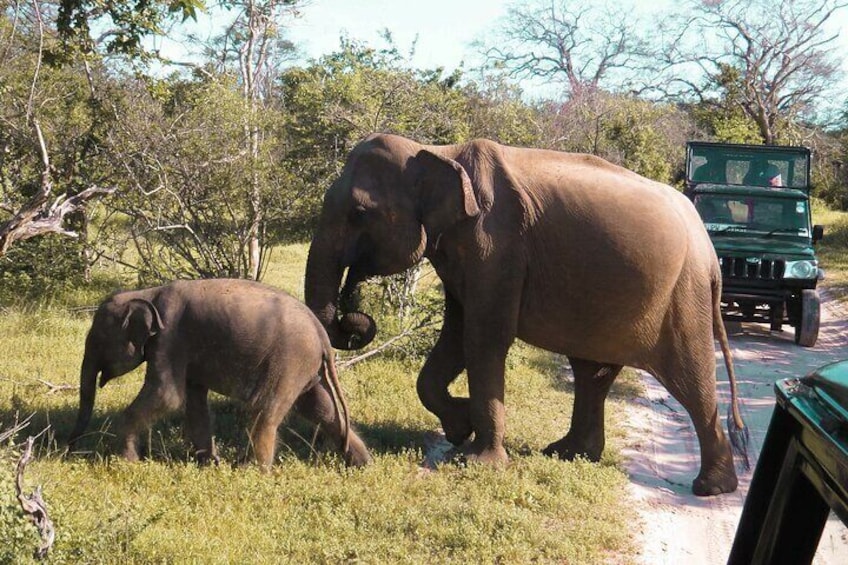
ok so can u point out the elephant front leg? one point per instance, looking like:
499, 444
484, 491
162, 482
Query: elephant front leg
444, 364
592, 382
486, 390
158, 396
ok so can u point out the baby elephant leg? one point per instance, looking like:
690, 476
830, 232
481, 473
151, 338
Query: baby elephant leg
316, 404
263, 436
155, 399
198, 423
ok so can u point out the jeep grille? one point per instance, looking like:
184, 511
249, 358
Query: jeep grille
752, 268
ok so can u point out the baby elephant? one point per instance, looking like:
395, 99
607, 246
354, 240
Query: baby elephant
239, 338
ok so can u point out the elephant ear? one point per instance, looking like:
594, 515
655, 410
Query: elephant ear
141, 321
444, 192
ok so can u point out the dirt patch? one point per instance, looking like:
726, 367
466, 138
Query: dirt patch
663, 458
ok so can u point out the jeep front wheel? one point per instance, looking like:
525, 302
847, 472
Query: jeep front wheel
807, 330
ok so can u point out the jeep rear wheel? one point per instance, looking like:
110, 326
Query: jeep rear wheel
807, 330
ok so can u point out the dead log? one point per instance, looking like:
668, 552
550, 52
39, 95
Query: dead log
33, 505
39, 215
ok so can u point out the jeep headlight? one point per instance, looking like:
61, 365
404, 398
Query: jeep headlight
801, 270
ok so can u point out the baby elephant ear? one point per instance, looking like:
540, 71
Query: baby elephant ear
142, 320
444, 192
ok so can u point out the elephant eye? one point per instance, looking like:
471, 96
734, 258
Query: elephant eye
358, 215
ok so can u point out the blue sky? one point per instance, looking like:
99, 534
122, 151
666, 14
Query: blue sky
444, 28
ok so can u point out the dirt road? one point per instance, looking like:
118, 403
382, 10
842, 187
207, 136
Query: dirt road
663, 452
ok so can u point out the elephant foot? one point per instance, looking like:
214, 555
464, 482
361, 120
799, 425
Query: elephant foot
568, 450
457, 426
129, 451
357, 454
205, 457
720, 481
494, 456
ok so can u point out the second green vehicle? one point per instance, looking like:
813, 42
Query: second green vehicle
755, 203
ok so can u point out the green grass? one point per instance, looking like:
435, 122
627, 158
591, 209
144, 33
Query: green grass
310, 508
833, 249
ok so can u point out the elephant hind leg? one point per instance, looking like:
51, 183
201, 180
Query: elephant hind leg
691, 382
316, 405
266, 416
592, 382
198, 423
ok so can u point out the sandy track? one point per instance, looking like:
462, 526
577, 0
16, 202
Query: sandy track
678, 527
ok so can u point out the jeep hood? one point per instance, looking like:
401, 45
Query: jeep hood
766, 246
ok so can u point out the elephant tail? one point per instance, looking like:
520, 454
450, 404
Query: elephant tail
331, 376
736, 428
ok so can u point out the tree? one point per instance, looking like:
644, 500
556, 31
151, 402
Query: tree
496, 111
584, 46
188, 177
336, 101
771, 60
255, 45
124, 25
646, 137
44, 108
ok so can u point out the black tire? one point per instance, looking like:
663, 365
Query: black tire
807, 330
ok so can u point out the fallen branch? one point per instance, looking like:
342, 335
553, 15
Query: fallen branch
57, 388
18, 426
53, 388
34, 506
385, 345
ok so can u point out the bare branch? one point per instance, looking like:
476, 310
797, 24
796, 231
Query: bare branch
37, 63
33, 504
37, 218
772, 59
386, 344
16, 427
54, 388
587, 47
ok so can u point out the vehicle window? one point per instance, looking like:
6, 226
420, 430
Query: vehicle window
747, 166
772, 215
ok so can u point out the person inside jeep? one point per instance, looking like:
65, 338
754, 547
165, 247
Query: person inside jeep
763, 173
711, 171
772, 176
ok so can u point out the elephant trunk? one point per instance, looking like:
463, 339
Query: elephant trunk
324, 270
88, 387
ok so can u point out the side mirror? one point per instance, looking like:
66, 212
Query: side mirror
818, 233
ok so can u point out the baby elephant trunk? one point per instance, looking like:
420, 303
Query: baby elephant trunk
88, 388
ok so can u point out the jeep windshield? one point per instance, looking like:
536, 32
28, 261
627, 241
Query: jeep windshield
761, 215
748, 165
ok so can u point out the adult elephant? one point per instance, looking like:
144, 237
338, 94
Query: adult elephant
564, 251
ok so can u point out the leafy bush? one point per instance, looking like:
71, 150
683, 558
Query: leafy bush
40, 267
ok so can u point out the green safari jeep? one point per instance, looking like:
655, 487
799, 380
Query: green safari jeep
755, 203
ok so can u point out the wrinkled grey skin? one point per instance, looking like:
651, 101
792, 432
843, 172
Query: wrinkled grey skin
563, 251
242, 339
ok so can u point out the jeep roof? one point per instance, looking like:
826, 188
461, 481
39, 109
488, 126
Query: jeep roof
742, 165
734, 190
